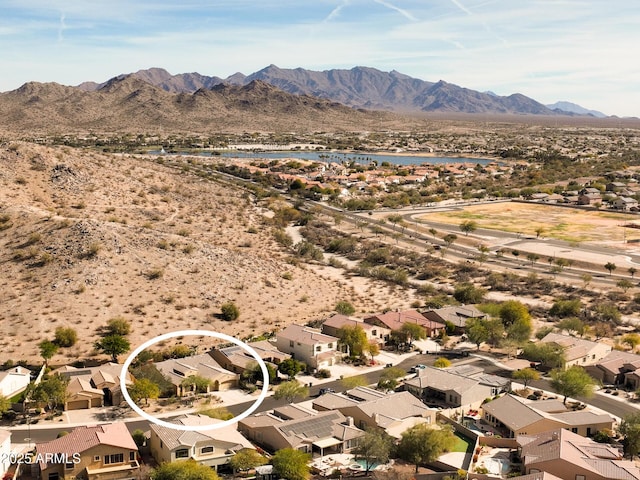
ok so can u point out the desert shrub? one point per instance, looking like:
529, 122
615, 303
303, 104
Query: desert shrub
229, 311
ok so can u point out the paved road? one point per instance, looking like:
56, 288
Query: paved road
609, 404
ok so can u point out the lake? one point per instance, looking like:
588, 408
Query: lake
338, 157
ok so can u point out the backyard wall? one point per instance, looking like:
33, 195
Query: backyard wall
470, 434
498, 442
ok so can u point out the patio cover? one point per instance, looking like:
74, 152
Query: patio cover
327, 442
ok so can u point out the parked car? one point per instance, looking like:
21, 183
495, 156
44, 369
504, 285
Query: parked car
417, 368
326, 390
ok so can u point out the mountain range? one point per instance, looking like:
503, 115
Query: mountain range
271, 99
362, 87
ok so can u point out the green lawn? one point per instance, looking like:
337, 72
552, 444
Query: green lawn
463, 444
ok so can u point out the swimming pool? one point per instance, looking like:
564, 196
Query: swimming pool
363, 463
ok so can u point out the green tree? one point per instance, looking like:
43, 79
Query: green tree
610, 266
442, 362
389, 378
113, 345
631, 339
291, 390
291, 464
526, 375
476, 331
566, 308
624, 284
469, 293
229, 311
118, 326
5, 404
468, 226
65, 337
355, 339
139, 437
512, 311
253, 373
143, 389
246, 459
47, 350
449, 238
495, 331
422, 444
632, 271
185, 470
374, 447
52, 390
607, 312
630, 430
413, 331
572, 325
344, 307
374, 349
572, 382
354, 381
197, 383
549, 354
520, 331
290, 367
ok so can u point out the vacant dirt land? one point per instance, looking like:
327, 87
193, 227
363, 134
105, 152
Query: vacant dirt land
561, 223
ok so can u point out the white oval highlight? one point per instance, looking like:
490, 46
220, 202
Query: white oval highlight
201, 333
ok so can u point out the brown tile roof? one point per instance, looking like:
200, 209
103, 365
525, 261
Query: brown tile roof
305, 335
395, 320
84, 438
339, 321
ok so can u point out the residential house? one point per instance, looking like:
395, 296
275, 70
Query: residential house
455, 314
236, 359
614, 368
615, 186
93, 386
179, 369
579, 351
294, 426
394, 412
624, 203
395, 320
450, 388
104, 452
14, 381
332, 325
589, 198
516, 416
309, 345
5, 451
570, 456
213, 448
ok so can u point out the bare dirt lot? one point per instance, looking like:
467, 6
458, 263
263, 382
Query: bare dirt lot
561, 223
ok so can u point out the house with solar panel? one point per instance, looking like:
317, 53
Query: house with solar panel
294, 426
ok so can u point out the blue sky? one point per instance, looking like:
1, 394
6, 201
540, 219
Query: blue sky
584, 51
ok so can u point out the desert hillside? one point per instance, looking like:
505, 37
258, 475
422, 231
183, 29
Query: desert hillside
87, 237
